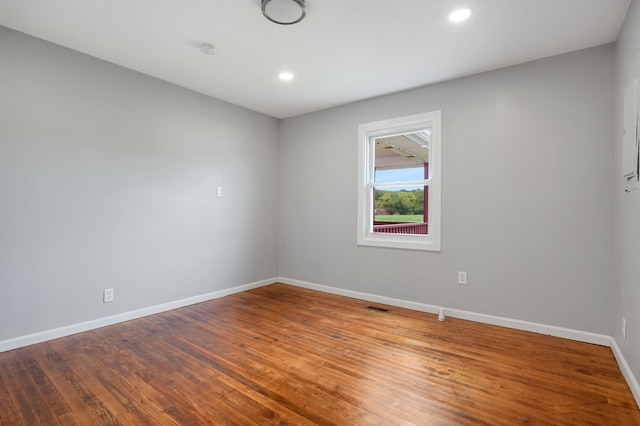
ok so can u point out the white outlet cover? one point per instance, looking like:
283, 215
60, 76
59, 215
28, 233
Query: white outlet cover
107, 295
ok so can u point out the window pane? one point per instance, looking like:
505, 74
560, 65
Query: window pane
401, 157
399, 175
399, 210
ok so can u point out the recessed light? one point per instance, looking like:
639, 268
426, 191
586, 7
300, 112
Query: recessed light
460, 15
286, 76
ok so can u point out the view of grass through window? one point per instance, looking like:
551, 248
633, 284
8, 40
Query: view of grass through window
400, 205
399, 182
400, 210
400, 163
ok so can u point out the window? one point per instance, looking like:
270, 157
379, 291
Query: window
399, 182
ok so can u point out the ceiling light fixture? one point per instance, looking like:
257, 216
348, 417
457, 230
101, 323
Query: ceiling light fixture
286, 76
284, 12
460, 15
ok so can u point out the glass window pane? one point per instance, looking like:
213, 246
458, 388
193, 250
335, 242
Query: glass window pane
399, 175
400, 157
399, 210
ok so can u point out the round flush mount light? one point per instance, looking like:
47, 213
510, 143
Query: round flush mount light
284, 12
285, 76
460, 15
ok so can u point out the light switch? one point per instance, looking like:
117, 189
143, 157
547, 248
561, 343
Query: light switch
219, 192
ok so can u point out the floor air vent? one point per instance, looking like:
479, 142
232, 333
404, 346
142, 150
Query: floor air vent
377, 309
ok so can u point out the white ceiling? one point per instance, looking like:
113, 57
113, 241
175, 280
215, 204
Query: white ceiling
343, 51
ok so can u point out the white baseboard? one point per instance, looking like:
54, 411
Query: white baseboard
422, 307
566, 333
30, 339
626, 371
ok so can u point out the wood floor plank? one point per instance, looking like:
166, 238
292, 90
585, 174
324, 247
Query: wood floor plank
190, 376
38, 411
49, 391
382, 359
285, 355
307, 377
69, 383
257, 376
92, 360
312, 363
10, 414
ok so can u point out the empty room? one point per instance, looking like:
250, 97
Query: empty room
320, 212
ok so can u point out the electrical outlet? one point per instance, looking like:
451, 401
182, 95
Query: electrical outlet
462, 277
624, 328
107, 295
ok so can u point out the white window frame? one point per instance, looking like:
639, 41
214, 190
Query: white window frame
367, 134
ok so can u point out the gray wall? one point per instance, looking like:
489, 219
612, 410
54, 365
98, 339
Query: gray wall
627, 206
527, 195
107, 179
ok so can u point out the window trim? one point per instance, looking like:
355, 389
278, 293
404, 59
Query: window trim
367, 133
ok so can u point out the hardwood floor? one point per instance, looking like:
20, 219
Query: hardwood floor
285, 355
